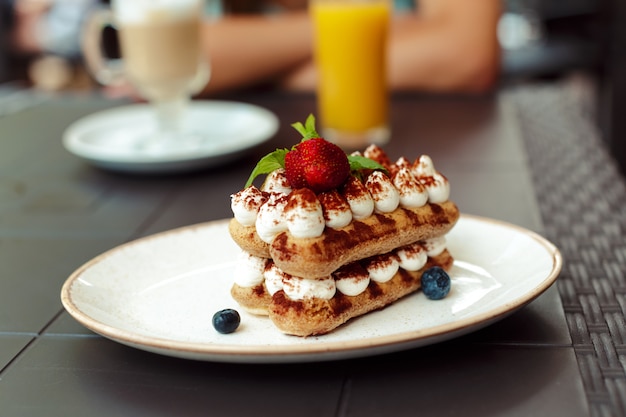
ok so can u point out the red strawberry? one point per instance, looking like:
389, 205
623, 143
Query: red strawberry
313, 163
295, 172
316, 164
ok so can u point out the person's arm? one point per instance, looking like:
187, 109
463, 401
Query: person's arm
248, 50
447, 46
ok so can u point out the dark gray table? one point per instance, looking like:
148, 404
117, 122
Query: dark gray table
57, 212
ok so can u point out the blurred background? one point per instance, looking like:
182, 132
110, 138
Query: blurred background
540, 39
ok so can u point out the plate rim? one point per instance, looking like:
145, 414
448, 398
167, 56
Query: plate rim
299, 352
72, 143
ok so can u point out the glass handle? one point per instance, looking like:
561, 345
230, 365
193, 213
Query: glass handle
105, 71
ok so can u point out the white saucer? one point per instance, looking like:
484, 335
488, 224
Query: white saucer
105, 139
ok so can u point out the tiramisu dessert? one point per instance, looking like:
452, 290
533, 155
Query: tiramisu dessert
329, 236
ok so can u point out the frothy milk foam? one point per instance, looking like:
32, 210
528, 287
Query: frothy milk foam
161, 47
141, 11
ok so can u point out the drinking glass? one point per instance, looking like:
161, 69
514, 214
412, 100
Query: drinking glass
350, 46
161, 57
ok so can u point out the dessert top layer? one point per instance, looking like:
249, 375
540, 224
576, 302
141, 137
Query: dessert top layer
276, 207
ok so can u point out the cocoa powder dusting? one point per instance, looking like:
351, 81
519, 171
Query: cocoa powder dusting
340, 304
437, 209
342, 239
402, 182
385, 220
351, 270
332, 202
317, 249
440, 214
377, 154
333, 236
406, 277
353, 189
259, 290
374, 290
281, 243
427, 181
378, 261
255, 199
283, 303
363, 230
375, 187
302, 197
411, 215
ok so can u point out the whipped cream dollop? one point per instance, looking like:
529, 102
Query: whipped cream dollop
274, 278
412, 257
246, 204
337, 211
382, 268
304, 214
249, 269
276, 207
435, 246
298, 288
358, 198
351, 279
276, 182
436, 184
385, 195
270, 220
411, 192
375, 153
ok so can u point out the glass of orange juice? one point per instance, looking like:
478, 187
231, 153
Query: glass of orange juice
350, 44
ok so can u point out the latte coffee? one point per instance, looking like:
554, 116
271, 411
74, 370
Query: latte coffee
161, 58
161, 47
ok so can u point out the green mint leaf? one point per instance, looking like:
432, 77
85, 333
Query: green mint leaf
310, 124
358, 162
307, 130
300, 128
267, 164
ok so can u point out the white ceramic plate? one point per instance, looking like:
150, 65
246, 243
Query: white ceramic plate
159, 294
107, 138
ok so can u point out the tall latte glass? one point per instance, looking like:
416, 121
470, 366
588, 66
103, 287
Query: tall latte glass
350, 53
160, 42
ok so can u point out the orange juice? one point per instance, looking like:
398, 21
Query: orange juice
350, 54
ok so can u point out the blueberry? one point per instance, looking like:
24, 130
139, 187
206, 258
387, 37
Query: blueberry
226, 321
435, 283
